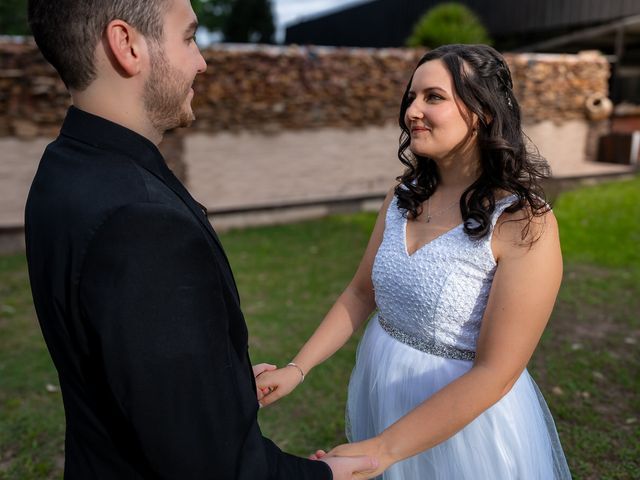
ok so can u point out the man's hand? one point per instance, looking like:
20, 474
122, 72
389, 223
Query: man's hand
276, 384
259, 370
348, 468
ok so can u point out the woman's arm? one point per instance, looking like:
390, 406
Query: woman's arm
349, 312
522, 296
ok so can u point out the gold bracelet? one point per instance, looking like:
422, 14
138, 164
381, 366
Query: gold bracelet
291, 364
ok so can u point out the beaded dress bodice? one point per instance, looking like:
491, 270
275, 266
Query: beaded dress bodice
437, 295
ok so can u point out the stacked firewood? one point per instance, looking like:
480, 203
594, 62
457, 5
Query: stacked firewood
33, 100
298, 88
556, 87
273, 88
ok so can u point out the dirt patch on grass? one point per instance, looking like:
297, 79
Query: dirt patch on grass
597, 304
588, 368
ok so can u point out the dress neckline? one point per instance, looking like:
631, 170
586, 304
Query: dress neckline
426, 244
405, 222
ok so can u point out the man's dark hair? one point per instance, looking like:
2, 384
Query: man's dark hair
68, 31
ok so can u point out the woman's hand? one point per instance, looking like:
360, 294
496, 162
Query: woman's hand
351, 468
372, 448
277, 383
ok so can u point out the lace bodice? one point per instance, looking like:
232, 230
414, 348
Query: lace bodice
438, 294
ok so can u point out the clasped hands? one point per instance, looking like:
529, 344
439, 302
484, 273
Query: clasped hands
360, 460
273, 383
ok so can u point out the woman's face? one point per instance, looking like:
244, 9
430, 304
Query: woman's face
435, 113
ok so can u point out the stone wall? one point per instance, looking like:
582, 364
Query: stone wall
273, 88
556, 87
32, 97
286, 133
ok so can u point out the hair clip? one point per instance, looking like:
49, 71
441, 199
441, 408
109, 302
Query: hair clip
509, 102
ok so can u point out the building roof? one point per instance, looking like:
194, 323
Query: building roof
387, 23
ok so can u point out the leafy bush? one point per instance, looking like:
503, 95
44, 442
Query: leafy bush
448, 23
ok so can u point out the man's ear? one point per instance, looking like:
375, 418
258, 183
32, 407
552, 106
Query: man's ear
128, 48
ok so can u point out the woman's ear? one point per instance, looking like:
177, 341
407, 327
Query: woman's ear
488, 119
126, 47
477, 121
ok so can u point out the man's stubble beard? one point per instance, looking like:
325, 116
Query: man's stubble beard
165, 95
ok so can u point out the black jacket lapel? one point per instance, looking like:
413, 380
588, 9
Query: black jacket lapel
102, 133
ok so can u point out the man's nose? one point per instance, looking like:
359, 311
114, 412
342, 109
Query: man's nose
202, 64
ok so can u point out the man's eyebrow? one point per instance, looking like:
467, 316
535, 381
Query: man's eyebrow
193, 26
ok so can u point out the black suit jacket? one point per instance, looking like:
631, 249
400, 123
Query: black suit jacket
140, 312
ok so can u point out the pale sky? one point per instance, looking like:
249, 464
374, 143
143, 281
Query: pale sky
286, 12
290, 11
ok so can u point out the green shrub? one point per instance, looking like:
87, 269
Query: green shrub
448, 23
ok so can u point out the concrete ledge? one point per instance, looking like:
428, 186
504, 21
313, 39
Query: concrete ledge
260, 215
555, 185
12, 237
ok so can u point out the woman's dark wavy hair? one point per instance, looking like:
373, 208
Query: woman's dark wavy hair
483, 82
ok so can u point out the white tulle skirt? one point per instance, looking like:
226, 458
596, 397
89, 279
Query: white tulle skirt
514, 439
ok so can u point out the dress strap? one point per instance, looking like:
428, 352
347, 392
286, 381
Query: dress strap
501, 206
394, 215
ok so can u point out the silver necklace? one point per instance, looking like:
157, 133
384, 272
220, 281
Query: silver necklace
439, 212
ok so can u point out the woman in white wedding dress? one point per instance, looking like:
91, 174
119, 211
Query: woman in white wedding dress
462, 271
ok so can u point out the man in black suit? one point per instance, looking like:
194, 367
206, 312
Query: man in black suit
133, 291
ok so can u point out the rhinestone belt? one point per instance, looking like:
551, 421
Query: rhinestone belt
433, 347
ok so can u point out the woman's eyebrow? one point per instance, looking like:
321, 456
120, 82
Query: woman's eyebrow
428, 89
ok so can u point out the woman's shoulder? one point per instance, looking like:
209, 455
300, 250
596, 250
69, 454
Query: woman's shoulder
390, 197
526, 226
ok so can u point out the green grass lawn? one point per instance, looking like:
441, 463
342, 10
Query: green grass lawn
587, 364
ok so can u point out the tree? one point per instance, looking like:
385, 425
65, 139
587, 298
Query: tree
448, 23
250, 21
13, 17
212, 14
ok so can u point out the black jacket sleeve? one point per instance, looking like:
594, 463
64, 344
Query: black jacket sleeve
153, 296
